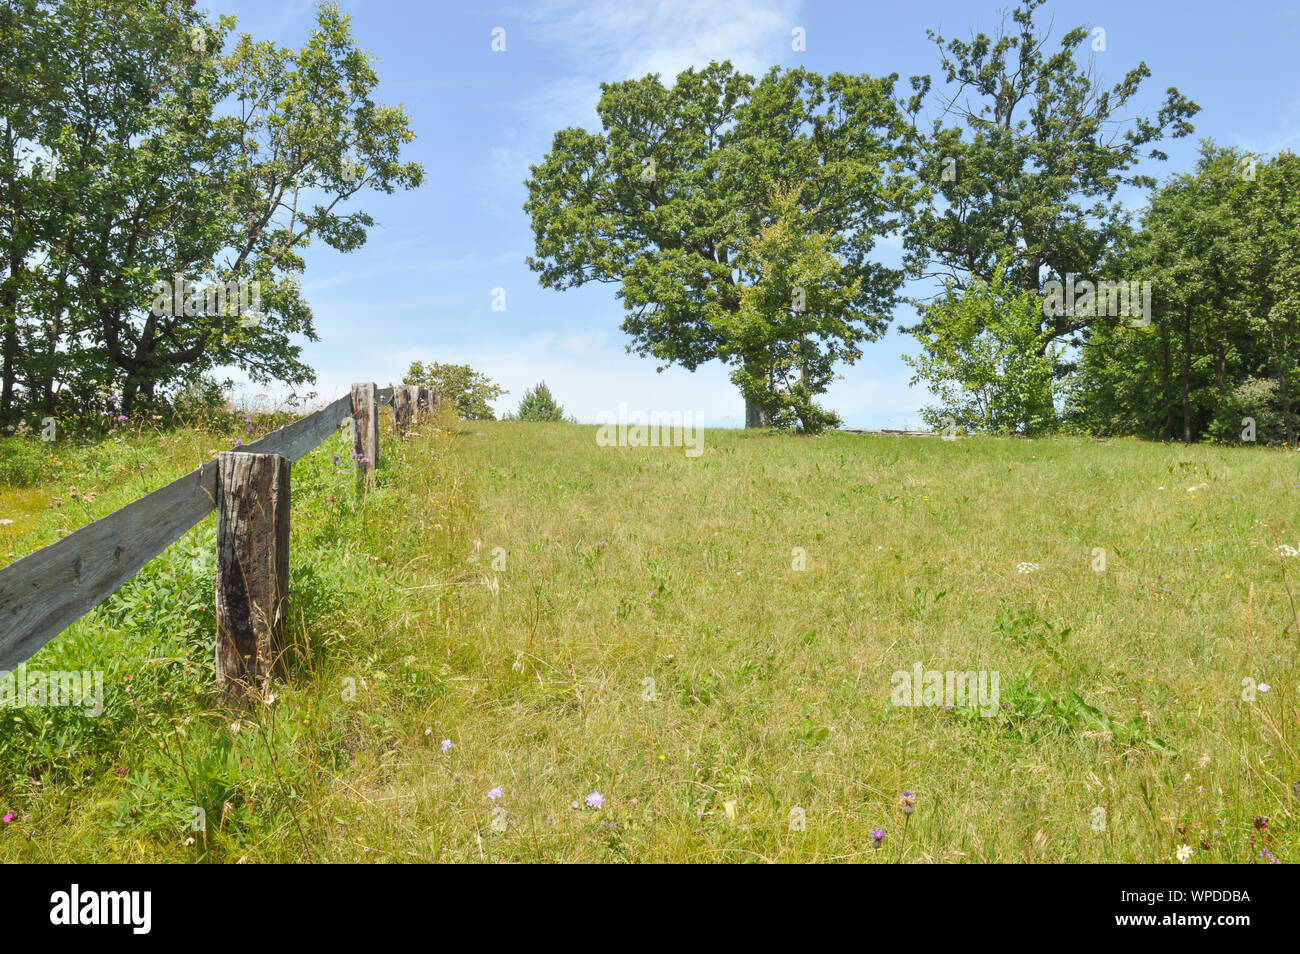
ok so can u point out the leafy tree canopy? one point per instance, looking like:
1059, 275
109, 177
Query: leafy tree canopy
670, 200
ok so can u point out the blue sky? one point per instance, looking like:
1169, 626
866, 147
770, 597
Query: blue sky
421, 288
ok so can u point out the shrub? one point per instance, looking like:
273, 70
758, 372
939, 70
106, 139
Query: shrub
1254, 398
539, 405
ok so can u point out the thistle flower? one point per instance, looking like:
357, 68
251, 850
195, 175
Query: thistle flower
878, 836
908, 800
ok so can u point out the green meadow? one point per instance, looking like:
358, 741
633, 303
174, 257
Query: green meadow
514, 644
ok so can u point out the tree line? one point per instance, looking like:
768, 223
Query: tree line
740, 220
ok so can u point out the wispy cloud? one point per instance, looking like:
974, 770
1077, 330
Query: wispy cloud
611, 40
617, 40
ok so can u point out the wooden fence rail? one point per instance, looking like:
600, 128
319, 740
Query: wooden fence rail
45, 592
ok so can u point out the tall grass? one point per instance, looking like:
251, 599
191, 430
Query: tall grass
511, 625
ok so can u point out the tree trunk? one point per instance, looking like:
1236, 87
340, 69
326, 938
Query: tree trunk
51, 351
1166, 373
1187, 374
755, 416
1285, 387
9, 346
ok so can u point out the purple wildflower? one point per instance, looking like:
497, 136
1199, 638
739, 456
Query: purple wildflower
495, 793
447, 745
595, 800
878, 836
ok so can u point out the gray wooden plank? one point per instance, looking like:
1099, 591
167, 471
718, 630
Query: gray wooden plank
296, 440
45, 592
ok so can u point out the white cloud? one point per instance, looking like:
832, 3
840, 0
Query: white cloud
619, 40
612, 40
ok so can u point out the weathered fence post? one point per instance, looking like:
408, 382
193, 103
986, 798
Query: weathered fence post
365, 420
413, 395
401, 410
252, 569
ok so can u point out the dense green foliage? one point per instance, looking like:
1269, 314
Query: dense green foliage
1221, 246
738, 217
674, 202
984, 358
147, 147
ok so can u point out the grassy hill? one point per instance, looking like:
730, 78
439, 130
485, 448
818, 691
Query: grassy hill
704, 647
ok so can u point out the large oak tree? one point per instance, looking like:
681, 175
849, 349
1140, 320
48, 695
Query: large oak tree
674, 201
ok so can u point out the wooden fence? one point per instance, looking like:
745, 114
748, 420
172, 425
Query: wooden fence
45, 592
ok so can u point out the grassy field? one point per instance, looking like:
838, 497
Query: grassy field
512, 619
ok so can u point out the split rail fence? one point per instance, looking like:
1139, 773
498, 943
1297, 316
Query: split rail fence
45, 592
